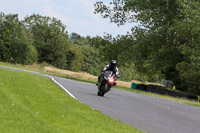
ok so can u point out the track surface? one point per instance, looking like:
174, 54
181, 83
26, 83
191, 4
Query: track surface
149, 114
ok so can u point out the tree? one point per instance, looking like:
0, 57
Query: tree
92, 60
15, 47
50, 38
100, 44
78, 39
159, 40
100, 51
188, 33
74, 57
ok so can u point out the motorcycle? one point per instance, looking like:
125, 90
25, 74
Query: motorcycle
106, 82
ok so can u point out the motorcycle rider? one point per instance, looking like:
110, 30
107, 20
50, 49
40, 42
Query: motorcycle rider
112, 67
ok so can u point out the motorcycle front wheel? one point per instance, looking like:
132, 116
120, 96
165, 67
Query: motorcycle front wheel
100, 93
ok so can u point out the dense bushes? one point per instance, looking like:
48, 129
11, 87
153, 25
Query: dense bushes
74, 58
92, 60
37, 39
49, 38
15, 46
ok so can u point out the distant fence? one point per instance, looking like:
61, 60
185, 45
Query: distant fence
163, 91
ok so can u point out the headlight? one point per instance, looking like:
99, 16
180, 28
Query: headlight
111, 79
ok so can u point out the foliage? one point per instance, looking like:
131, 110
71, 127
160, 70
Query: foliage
188, 32
49, 38
74, 58
15, 46
78, 39
92, 60
167, 41
164, 45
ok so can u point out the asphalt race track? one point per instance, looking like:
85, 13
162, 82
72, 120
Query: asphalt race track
147, 113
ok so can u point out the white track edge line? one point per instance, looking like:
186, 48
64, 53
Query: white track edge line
62, 87
44, 75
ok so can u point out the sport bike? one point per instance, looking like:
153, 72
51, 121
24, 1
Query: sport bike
106, 82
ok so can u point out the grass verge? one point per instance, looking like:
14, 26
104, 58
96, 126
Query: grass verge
40, 68
31, 103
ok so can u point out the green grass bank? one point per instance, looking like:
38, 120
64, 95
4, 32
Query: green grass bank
34, 104
40, 68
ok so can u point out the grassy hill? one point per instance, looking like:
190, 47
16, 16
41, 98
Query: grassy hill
30, 103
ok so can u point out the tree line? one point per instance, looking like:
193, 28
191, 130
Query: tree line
167, 41
39, 39
165, 45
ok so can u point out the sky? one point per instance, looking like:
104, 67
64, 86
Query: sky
77, 15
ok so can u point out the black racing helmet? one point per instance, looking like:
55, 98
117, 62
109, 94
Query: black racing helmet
113, 63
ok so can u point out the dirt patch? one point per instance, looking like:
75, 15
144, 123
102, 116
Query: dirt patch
87, 76
81, 75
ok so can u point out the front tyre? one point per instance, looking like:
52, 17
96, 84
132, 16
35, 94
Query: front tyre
100, 93
106, 88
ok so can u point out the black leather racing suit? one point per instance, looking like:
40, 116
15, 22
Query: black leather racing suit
108, 67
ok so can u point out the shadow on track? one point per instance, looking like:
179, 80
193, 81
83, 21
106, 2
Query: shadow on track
97, 95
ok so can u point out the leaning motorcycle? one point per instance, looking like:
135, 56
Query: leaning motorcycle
106, 82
